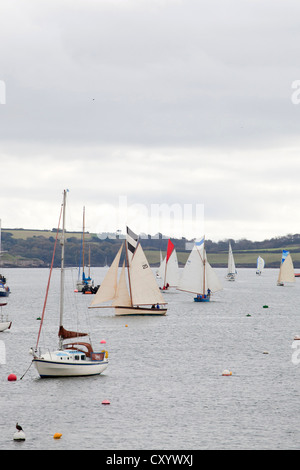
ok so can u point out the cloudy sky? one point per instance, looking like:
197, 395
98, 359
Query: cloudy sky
180, 116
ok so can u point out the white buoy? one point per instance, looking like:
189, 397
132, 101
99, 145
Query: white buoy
19, 436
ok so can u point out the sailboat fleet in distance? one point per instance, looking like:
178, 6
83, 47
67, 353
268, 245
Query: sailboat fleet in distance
130, 287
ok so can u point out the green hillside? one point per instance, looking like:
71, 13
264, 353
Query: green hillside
35, 247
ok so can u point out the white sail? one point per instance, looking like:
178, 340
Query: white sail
140, 290
212, 281
260, 264
172, 272
158, 271
198, 276
286, 272
144, 289
231, 263
108, 287
168, 272
122, 295
192, 276
160, 274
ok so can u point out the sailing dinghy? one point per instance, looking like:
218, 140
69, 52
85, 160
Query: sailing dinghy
260, 265
136, 291
4, 289
168, 273
286, 272
231, 272
71, 359
85, 283
198, 276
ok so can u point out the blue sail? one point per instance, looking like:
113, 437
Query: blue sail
284, 255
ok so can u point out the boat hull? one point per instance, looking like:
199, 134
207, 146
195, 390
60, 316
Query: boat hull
139, 311
5, 325
4, 293
47, 368
201, 299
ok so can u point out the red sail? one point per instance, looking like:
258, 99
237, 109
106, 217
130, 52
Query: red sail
169, 250
65, 334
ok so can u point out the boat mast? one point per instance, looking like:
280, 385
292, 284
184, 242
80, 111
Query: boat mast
62, 271
128, 272
83, 229
204, 259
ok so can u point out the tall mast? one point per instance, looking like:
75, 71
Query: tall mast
62, 271
128, 272
204, 266
83, 229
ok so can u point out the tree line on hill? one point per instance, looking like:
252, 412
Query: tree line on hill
38, 250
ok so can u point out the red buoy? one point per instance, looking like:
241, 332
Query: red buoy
106, 402
12, 377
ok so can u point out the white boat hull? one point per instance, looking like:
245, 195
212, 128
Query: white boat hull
48, 368
139, 311
5, 325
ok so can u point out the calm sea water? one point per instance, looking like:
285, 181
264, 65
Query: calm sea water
164, 380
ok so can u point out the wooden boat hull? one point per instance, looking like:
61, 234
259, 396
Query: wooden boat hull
47, 368
140, 311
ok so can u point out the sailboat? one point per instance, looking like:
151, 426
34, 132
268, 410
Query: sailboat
85, 283
136, 291
286, 272
260, 265
198, 276
5, 324
168, 273
4, 289
71, 359
231, 272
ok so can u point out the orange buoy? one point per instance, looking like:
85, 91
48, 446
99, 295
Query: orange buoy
57, 435
226, 373
12, 377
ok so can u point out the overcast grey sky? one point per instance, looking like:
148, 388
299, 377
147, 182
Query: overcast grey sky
181, 103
